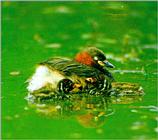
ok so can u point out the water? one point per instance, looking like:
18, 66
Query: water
35, 31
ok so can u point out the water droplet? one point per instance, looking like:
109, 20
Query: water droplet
86, 36
99, 131
26, 108
15, 73
16, 116
63, 9
156, 129
134, 110
53, 45
137, 125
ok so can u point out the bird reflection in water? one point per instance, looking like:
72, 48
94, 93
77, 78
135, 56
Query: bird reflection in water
89, 110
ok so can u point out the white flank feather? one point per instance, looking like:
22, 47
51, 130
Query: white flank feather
42, 76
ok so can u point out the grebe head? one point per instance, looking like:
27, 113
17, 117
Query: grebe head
93, 57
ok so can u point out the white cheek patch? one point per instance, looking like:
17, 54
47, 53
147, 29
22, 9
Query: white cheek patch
42, 76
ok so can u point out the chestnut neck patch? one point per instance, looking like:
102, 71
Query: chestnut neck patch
84, 58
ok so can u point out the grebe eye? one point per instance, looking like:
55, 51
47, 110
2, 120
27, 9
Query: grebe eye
95, 58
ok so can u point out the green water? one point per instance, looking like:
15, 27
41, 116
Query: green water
35, 31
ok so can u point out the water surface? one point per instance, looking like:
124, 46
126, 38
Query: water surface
35, 31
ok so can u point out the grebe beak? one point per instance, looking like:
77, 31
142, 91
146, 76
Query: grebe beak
108, 64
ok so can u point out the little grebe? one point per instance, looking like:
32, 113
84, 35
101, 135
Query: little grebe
86, 73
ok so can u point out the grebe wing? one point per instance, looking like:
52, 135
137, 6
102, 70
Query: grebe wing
69, 67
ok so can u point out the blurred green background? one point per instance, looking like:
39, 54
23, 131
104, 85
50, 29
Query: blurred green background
35, 31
